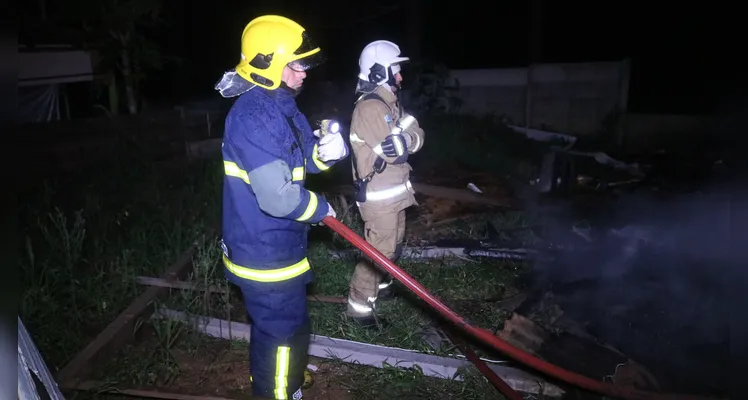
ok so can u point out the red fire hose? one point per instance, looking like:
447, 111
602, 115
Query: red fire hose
488, 338
484, 369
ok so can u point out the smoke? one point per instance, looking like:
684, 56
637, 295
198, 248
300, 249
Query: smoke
652, 279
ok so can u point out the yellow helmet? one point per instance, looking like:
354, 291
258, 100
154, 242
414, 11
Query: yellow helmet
271, 42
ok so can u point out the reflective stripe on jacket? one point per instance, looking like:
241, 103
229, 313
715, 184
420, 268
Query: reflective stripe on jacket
266, 209
371, 122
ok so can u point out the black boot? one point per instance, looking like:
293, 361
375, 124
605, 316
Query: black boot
371, 322
387, 293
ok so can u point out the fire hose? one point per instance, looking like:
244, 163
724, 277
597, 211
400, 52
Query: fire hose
486, 337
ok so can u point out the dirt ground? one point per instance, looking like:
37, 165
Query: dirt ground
224, 371
214, 368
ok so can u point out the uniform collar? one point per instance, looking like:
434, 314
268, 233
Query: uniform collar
285, 99
386, 95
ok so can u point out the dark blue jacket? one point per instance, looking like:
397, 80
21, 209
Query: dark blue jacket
267, 211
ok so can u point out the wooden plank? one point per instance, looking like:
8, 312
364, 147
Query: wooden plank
183, 285
102, 387
459, 195
117, 332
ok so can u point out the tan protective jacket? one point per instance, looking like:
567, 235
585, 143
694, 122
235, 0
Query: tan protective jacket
388, 191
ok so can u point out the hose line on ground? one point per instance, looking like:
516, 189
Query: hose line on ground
488, 338
498, 383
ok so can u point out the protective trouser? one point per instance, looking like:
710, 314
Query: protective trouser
386, 233
279, 340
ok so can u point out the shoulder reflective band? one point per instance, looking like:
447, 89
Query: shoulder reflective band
267, 275
231, 169
406, 122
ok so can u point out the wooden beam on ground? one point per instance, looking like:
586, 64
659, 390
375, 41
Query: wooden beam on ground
460, 195
102, 387
117, 332
436, 252
183, 285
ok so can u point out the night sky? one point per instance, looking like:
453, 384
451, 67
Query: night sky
685, 59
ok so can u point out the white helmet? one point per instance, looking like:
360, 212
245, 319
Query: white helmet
379, 62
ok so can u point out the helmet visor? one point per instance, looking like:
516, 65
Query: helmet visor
308, 55
308, 62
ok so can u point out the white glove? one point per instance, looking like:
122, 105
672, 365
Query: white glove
331, 147
331, 211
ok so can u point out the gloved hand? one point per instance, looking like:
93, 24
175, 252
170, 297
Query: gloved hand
408, 139
331, 147
330, 213
394, 146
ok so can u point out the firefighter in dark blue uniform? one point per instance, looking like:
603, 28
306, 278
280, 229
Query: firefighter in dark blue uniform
268, 148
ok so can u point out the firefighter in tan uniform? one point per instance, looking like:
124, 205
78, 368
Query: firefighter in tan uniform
382, 135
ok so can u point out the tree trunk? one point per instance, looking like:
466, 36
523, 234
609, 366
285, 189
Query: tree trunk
132, 104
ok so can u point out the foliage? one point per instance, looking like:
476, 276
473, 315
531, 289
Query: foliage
434, 91
89, 233
121, 31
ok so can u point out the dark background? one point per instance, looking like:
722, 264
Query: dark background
686, 57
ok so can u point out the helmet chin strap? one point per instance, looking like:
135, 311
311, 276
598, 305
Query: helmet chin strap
294, 92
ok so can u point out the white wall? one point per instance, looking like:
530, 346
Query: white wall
54, 65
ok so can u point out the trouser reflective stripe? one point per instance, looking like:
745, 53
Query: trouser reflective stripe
359, 309
282, 360
356, 309
279, 340
385, 233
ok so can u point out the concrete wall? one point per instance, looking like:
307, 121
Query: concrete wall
567, 98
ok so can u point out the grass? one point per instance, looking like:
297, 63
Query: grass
89, 234
86, 236
458, 283
410, 383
